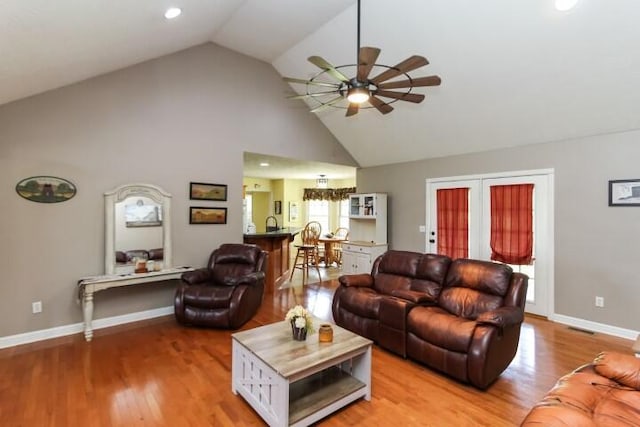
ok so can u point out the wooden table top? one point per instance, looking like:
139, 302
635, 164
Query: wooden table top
274, 345
332, 239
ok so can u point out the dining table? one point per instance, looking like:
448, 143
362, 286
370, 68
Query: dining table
330, 243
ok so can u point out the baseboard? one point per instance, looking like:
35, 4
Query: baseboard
61, 331
594, 326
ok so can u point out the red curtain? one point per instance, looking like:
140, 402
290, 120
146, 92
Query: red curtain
512, 223
453, 222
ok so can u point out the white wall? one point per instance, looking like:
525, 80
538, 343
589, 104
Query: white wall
186, 117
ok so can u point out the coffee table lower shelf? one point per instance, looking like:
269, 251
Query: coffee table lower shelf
320, 391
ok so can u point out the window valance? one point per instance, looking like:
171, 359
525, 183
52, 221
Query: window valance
331, 194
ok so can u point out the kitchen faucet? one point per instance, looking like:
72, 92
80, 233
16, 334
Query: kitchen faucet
268, 227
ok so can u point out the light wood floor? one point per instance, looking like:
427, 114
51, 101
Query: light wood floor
157, 373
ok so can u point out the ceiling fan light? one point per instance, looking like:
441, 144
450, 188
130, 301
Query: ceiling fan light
172, 12
358, 95
565, 5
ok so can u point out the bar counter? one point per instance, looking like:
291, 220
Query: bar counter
276, 243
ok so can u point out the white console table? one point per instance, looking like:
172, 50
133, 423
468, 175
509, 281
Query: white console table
87, 286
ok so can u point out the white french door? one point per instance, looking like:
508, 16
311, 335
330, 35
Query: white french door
540, 290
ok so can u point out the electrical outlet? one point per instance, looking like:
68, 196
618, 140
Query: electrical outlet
36, 307
599, 302
422, 228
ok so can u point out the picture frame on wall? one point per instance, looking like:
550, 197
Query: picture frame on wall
207, 215
293, 211
624, 192
206, 191
46, 189
277, 207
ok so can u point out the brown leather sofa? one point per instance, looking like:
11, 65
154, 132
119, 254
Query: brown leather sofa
460, 317
225, 294
605, 392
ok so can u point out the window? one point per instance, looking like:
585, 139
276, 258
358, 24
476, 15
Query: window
248, 201
319, 211
344, 213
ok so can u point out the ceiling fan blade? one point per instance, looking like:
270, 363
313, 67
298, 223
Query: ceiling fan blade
353, 109
411, 97
310, 82
330, 69
366, 61
420, 81
409, 64
327, 104
311, 95
380, 105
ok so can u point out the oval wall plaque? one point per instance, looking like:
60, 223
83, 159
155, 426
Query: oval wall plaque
46, 189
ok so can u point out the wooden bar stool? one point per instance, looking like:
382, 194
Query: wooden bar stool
308, 250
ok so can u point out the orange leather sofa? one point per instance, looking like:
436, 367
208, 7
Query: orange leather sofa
605, 392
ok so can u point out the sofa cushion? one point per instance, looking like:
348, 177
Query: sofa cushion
483, 276
364, 302
402, 263
430, 275
623, 368
209, 297
438, 327
386, 283
468, 303
585, 398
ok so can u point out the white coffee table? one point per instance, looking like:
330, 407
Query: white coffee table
299, 382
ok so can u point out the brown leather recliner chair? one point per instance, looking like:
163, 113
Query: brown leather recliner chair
225, 294
472, 331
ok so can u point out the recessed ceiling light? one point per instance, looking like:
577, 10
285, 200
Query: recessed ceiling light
564, 5
172, 12
264, 164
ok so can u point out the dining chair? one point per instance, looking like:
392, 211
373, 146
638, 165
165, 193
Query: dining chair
307, 252
341, 232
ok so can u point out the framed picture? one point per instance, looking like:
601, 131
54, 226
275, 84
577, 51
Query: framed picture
46, 189
206, 215
624, 192
277, 207
204, 191
293, 211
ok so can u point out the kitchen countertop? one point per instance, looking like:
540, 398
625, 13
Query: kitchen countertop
285, 231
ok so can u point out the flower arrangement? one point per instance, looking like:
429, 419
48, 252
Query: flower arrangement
300, 318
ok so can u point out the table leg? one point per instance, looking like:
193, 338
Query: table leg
87, 308
328, 254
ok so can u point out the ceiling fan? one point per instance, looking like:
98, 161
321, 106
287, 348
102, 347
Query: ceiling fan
361, 88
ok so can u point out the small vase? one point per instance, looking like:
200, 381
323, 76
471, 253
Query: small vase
299, 334
325, 333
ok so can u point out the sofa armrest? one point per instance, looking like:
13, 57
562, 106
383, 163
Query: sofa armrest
249, 279
357, 280
196, 276
622, 368
414, 296
501, 317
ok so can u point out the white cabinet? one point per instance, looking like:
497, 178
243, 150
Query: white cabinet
370, 206
358, 257
367, 232
368, 217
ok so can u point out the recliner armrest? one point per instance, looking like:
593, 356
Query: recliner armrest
249, 279
196, 276
356, 280
413, 296
502, 317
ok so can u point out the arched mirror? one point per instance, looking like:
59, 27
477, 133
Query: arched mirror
137, 227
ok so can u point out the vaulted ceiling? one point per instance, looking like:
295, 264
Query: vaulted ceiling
513, 72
